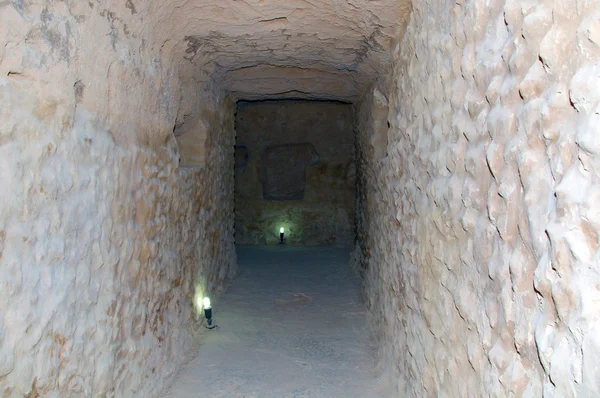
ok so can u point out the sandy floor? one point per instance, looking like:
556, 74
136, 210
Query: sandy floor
291, 325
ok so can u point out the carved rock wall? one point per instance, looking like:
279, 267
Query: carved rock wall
480, 202
257, 49
300, 173
478, 155
104, 240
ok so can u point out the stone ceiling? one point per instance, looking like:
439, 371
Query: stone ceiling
255, 49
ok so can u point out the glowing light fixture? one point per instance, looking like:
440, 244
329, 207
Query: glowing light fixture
208, 313
281, 235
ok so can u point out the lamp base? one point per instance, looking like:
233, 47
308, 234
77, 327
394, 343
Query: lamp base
210, 324
208, 316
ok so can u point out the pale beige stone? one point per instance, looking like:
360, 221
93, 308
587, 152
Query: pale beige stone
478, 169
520, 225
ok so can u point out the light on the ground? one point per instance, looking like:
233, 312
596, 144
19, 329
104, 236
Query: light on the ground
281, 235
281, 230
208, 313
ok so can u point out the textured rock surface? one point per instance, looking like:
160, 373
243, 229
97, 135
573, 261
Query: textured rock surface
103, 239
479, 183
324, 158
481, 200
256, 48
283, 170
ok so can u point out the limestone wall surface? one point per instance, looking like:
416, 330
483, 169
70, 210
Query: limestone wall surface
481, 209
104, 240
324, 212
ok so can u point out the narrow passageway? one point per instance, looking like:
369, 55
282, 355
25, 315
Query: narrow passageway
291, 325
452, 147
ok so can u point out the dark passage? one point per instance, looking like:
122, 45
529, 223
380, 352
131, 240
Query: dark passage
296, 171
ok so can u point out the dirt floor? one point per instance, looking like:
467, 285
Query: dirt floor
291, 325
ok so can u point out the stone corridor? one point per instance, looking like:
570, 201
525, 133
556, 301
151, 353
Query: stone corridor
448, 152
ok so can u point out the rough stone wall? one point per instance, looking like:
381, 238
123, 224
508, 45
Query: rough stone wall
325, 215
261, 49
481, 257
104, 241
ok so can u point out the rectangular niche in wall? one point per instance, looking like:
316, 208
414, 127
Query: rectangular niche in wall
283, 170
